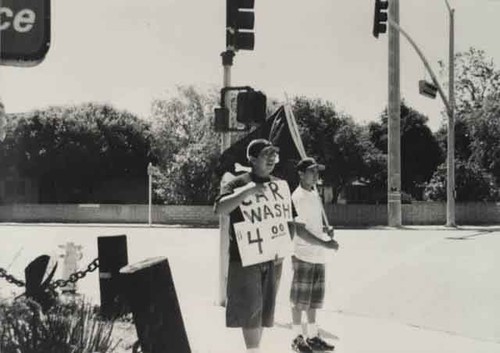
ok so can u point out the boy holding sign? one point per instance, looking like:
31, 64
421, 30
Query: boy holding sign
308, 284
259, 206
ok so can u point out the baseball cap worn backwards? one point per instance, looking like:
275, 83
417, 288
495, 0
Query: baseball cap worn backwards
257, 147
309, 163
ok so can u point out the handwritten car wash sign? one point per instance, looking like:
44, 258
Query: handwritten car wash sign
24, 31
265, 234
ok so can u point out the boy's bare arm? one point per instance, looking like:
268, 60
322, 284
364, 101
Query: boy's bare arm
300, 229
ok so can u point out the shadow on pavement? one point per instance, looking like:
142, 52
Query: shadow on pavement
323, 333
480, 232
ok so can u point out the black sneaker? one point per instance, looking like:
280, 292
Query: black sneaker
317, 344
300, 345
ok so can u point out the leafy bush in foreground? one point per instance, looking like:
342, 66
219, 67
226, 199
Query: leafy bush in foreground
65, 328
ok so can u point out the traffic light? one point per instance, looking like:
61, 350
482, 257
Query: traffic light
380, 19
221, 120
251, 108
240, 20
427, 89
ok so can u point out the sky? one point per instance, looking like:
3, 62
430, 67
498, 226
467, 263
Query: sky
128, 52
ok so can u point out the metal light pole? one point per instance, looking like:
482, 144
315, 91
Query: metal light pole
394, 122
150, 193
450, 185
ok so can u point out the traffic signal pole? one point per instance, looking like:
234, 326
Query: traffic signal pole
449, 105
394, 122
394, 150
240, 21
227, 63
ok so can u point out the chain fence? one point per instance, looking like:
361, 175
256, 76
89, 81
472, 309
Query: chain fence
10, 278
73, 278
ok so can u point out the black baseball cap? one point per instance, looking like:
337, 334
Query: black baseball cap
309, 163
256, 147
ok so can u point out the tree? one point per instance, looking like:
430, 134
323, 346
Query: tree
485, 129
420, 150
472, 184
337, 141
186, 145
463, 139
189, 178
182, 118
70, 149
476, 78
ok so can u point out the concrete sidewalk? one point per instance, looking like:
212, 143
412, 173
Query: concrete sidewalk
348, 332
422, 289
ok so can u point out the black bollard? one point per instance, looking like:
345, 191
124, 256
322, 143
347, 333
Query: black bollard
38, 276
150, 291
112, 256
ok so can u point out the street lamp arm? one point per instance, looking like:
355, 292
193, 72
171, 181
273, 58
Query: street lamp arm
424, 60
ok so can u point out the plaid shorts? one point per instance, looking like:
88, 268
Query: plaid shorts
308, 285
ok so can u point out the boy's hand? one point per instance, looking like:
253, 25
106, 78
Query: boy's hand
332, 244
256, 188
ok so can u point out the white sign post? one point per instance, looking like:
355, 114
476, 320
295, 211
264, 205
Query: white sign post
264, 234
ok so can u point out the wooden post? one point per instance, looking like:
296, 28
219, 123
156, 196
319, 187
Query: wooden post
112, 256
150, 291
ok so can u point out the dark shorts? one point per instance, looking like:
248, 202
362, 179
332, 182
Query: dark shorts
251, 294
308, 285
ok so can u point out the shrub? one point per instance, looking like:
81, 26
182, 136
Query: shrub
65, 328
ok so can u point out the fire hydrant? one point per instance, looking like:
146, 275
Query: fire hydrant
72, 254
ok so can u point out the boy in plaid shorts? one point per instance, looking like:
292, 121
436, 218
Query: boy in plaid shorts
308, 284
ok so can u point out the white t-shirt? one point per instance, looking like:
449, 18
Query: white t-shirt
308, 206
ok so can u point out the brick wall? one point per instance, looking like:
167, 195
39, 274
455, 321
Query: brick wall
420, 213
200, 215
357, 215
